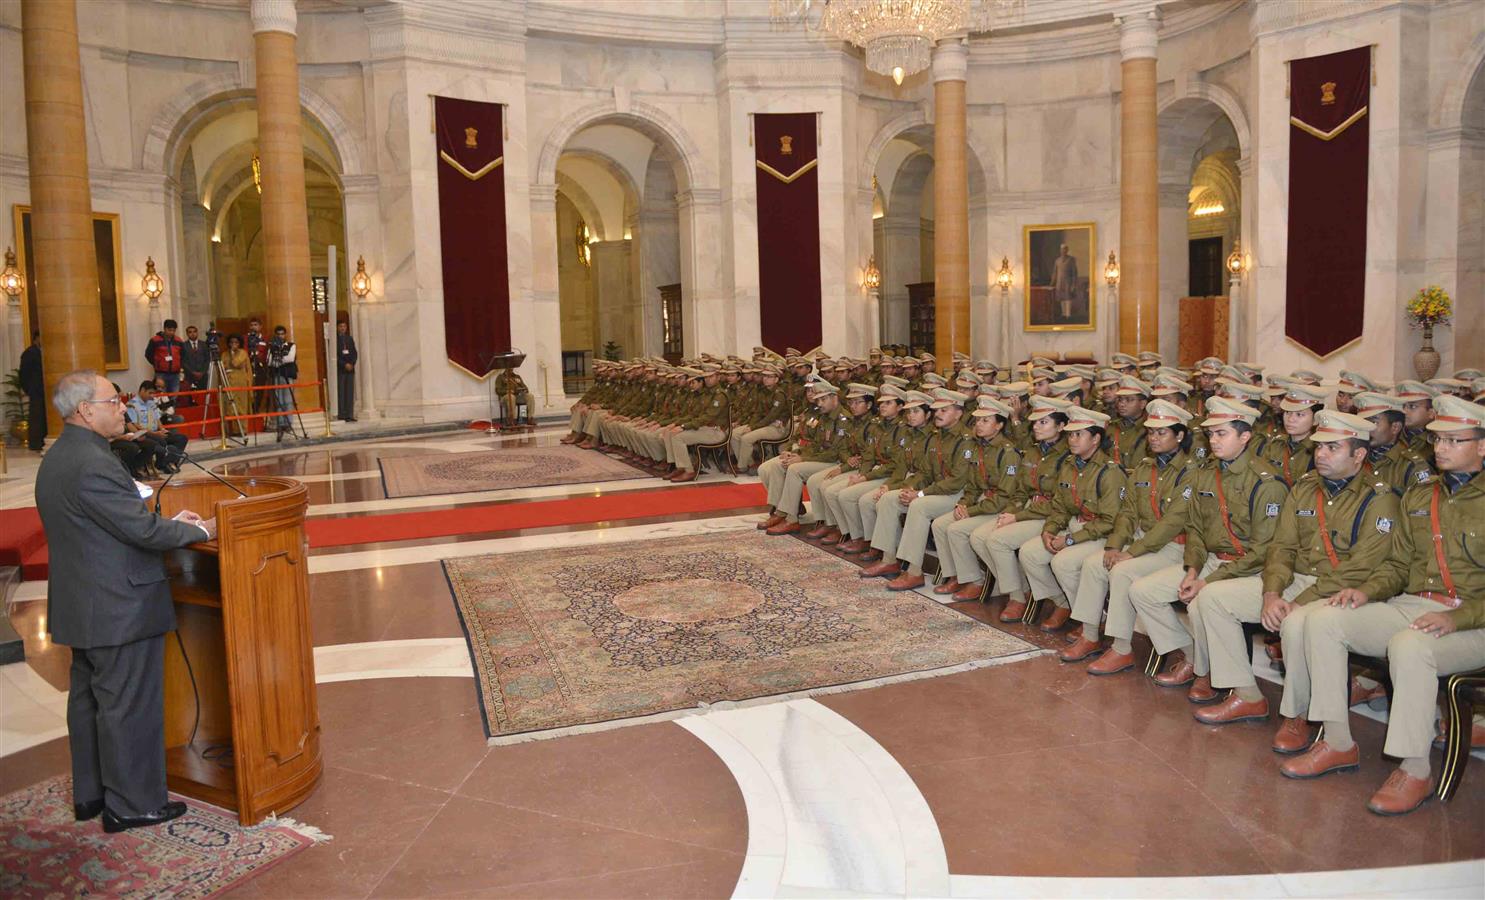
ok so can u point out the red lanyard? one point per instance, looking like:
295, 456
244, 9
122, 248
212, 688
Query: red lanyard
1335, 561
1226, 521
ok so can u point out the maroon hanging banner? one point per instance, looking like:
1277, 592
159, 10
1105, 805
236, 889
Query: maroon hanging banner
471, 225
1326, 286
788, 229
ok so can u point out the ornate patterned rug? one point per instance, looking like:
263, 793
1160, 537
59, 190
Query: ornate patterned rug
44, 853
567, 640
498, 470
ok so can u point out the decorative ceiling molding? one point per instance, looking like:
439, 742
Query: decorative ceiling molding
1270, 16
468, 35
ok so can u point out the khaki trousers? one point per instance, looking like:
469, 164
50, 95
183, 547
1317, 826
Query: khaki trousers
744, 439
1416, 660
999, 547
648, 442
1054, 576
1225, 606
1154, 598
956, 557
681, 441
592, 420
772, 473
575, 422
849, 504
913, 542
888, 528
1098, 584
818, 485
792, 490
867, 507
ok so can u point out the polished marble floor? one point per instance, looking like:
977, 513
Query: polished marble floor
1026, 779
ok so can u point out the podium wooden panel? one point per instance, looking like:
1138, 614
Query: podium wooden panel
242, 725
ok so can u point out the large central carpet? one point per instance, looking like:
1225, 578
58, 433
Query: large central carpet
44, 853
605, 633
498, 470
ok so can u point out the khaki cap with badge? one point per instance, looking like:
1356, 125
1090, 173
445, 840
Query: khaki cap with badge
1167, 385
1130, 386
1301, 397
856, 389
1331, 426
1164, 414
1066, 386
915, 398
1355, 383
943, 397
1456, 414
1079, 418
985, 405
1415, 390
1222, 411
1045, 406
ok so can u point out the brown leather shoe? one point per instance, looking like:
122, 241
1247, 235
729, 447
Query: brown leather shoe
1058, 618
1111, 663
819, 531
1079, 651
1074, 634
771, 521
585, 445
784, 527
683, 476
1180, 674
882, 570
970, 591
905, 582
1400, 794
854, 545
1361, 694
1233, 709
1201, 690
1322, 759
831, 537
948, 587
1014, 610
1293, 736
871, 555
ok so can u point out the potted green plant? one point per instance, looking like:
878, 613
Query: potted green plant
15, 407
1430, 308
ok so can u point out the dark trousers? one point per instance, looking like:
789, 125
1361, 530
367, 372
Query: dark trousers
116, 726
171, 381
345, 394
36, 422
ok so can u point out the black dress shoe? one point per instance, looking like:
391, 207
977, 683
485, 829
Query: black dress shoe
85, 811
113, 824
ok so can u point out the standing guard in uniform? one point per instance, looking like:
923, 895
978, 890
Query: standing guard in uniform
1149, 535
1090, 488
1234, 507
992, 488
997, 542
1434, 627
1333, 527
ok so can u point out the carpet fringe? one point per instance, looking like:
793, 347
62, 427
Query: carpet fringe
303, 829
721, 706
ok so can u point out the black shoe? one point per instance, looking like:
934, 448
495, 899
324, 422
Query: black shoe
85, 811
113, 824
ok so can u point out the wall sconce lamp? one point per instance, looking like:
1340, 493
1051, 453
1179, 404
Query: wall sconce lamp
871, 278
1111, 271
10, 277
152, 284
361, 282
1003, 277
1235, 260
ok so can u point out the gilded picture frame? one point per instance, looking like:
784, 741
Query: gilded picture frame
108, 244
1061, 289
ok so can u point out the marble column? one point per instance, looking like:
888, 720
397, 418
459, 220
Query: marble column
65, 262
286, 269
1139, 188
951, 201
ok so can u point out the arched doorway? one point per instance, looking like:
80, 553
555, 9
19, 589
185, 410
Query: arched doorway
618, 240
1202, 151
1469, 276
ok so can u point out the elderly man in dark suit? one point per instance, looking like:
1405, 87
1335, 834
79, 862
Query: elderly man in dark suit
109, 600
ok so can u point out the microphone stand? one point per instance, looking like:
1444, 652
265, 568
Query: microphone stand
188, 458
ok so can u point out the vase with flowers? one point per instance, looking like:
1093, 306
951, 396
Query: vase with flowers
1430, 308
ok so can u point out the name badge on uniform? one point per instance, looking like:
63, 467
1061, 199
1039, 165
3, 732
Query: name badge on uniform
1142, 484
1307, 513
1418, 512
1122, 491
1271, 510
1206, 493
1010, 470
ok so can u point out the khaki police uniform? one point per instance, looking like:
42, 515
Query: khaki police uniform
992, 488
997, 545
1086, 502
909, 470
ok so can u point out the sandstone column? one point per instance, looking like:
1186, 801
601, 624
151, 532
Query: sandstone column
286, 269
1139, 187
950, 201
66, 265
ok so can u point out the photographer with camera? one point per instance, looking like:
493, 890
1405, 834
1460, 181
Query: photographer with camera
283, 363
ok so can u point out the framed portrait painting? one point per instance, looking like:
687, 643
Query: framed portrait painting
1061, 293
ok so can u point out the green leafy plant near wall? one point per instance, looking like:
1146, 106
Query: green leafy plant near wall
612, 351
15, 404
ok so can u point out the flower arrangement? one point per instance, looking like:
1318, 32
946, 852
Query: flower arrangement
1429, 308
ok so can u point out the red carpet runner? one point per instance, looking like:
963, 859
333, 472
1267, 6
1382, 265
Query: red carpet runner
331, 531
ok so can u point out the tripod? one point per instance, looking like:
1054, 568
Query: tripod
276, 399
229, 405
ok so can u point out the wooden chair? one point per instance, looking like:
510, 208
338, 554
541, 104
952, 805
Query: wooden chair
767, 449
724, 445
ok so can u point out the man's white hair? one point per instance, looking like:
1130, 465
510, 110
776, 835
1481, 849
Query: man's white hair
72, 390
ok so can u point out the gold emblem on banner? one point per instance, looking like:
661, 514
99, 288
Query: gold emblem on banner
471, 136
787, 179
1327, 94
786, 145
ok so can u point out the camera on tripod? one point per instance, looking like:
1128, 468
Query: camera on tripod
277, 348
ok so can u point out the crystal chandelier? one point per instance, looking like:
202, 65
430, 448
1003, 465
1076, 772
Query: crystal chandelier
897, 35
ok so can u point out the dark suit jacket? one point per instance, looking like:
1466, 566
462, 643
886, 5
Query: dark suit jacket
107, 584
31, 375
195, 359
345, 350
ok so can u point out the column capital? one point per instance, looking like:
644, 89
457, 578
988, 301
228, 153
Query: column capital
950, 60
1138, 34
274, 15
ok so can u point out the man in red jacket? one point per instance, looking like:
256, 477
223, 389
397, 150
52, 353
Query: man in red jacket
164, 354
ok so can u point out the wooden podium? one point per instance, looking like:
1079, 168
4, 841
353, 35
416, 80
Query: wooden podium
242, 725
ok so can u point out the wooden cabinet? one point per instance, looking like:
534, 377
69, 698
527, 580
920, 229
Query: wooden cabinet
920, 317
672, 325
242, 724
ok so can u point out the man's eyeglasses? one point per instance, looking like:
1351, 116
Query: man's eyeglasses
114, 400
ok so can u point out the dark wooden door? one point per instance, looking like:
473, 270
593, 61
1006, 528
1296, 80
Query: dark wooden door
1205, 257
